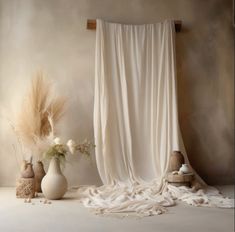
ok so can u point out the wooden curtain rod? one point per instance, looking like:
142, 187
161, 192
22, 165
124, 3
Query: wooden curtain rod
91, 25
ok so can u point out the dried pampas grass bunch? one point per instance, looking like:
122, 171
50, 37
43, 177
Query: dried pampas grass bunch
40, 111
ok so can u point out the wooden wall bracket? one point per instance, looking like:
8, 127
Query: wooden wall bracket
91, 25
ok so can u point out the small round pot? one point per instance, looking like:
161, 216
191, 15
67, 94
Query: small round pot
184, 168
28, 171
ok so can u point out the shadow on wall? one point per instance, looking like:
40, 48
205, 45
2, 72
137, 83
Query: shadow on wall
205, 91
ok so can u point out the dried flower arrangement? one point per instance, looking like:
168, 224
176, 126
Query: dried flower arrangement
39, 113
35, 130
35, 125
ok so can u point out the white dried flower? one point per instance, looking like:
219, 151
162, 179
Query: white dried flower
72, 146
57, 140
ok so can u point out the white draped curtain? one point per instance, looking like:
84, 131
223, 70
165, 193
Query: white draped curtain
135, 112
136, 120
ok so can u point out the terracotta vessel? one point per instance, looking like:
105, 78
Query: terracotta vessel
27, 172
176, 161
54, 184
23, 165
39, 173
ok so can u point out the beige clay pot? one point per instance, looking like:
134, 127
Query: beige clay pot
176, 161
28, 171
39, 173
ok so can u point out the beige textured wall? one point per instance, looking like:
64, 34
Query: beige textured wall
51, 35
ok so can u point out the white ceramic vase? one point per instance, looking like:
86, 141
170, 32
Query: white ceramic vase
54, 184
184, 168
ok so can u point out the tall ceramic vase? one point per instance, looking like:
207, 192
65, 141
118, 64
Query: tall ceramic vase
54, 184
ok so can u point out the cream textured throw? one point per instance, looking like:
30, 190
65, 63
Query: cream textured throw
136, 122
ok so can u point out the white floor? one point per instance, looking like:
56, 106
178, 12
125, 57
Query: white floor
70, 216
